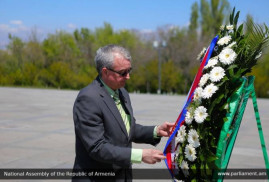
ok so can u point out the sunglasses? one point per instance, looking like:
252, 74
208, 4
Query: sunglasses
122, 73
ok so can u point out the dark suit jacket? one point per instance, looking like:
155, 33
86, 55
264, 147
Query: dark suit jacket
102, 141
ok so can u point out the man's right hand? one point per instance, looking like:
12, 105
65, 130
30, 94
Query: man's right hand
151, 156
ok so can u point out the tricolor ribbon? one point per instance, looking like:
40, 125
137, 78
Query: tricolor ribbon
170, 147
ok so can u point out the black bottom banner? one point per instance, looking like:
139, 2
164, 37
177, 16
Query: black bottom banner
108, 174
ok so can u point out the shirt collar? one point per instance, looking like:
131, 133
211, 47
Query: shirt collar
110, 91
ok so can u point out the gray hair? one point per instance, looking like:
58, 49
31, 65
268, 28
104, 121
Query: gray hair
105, 56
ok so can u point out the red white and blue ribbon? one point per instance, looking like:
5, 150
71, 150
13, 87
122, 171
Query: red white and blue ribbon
170, 148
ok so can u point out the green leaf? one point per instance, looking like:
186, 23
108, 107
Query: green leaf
231, 72
180, 159
216, 101
225, 78
211, 157
240, 29
236, 18
202, 158
232, 66
193, 168
222, 82
232, 16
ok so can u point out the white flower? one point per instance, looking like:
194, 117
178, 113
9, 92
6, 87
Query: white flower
259, 55
181, 134
221, 27
201, 54
185, 167
209, 90
189, 117
200, 114
211, 62
198, 94
177, 152
224, 40
230, 27
216, 74
190, 152
204, 79
227, 56
193, 138
231, 44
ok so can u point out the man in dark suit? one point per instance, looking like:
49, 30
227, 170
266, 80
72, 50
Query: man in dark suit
104, 123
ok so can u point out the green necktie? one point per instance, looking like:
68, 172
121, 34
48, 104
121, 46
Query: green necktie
123, 114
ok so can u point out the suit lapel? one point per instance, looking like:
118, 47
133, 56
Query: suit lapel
112, 107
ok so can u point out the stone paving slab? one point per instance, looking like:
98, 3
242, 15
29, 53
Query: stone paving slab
36, 128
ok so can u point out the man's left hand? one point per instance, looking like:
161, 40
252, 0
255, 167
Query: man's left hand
165, 129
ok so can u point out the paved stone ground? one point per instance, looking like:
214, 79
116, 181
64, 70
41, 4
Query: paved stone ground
36, 128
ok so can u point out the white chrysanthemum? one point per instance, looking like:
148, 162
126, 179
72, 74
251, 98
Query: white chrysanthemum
197, 96
177, 152
181, 134
193, 138
190, 152
211, 62
216, 74
209, 90
224, 40
231, 44
200, 55
221, 27
230, 27
204, 79
259, 55
200, 114
185, 167
188, 118
227, 56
